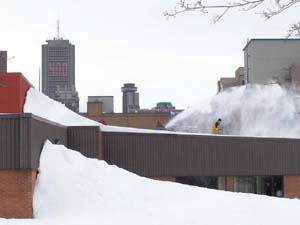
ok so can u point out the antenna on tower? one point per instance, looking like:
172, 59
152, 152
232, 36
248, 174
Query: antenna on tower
57, 29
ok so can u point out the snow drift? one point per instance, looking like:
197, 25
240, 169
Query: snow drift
73, 189
41, 105
267, 110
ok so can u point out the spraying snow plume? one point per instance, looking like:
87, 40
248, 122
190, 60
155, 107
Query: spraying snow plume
255, 110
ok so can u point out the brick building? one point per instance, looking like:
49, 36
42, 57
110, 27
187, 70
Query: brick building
141, 119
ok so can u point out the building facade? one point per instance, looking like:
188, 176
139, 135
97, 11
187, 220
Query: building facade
268, 166
130, 98
144, 119
268, 60
3, 61
228, 82
58, 72
107, 102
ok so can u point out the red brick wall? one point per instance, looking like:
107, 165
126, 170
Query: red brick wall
16, 192
292, 186
229, 184
173, 179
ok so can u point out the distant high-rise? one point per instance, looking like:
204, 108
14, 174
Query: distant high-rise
58, 72
130, 98
3, 61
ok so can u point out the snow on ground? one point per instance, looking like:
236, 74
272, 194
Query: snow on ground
72, 189
92, 189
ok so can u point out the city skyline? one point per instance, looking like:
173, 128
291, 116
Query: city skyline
177, 60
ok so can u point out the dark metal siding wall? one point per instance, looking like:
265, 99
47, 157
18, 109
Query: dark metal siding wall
85, 139
201, 155
42, 130
22, 137
9, 146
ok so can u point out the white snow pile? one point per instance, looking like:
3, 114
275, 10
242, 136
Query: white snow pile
267, 110
41, 105
72, 189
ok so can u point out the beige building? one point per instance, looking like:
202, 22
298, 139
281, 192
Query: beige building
269, 60
147, 120
228, 82
107, 102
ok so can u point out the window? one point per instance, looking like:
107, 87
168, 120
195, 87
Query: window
202, 181
245, 184
266, 185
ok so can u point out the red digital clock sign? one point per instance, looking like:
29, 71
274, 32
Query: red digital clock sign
58, 68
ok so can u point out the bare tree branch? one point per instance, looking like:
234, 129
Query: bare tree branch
294, 31
278, 6
185, 6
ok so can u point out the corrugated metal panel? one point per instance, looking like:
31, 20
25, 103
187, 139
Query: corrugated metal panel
40, 131
201, 155
9, 146
85, 139
23, 158
22, 137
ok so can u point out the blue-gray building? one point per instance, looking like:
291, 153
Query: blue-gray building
58, 72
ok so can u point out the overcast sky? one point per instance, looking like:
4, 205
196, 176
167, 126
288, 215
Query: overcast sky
118, 41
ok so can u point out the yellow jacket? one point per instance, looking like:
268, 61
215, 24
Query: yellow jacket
215, 129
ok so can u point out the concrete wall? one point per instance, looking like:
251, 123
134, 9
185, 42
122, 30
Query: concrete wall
268, 59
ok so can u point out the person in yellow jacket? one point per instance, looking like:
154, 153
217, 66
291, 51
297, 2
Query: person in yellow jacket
216, 129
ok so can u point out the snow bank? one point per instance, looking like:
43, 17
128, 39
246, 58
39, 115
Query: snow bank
73, 189
266, 111
41, 105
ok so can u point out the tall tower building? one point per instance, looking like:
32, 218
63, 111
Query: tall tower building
58, 71
130, 98
3, 61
